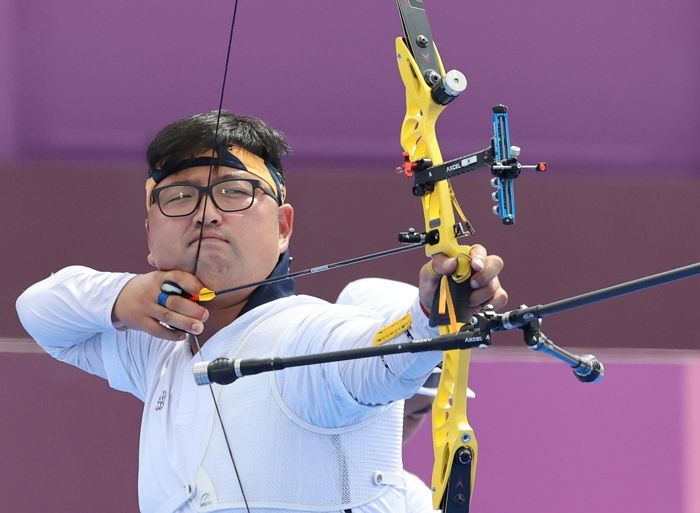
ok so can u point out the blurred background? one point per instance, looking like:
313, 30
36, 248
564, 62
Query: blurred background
605, 91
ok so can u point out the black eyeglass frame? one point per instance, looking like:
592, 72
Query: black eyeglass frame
257, 184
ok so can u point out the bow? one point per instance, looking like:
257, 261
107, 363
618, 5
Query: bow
453, 437
429, 89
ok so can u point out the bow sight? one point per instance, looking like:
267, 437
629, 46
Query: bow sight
500, 156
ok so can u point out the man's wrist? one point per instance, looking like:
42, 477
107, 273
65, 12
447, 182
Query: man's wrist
425, 310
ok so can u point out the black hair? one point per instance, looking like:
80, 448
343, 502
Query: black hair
189, 136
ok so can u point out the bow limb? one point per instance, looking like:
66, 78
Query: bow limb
454, 444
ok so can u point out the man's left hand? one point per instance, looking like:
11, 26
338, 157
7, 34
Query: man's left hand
486, 288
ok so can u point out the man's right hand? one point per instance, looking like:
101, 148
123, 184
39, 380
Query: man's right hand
137, 306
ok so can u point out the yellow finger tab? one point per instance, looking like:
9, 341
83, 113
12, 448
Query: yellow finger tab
392, 331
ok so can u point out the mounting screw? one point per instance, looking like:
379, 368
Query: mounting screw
466, 438
422, 41
432, 77
464, 456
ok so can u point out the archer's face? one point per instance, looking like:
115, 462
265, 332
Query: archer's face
237, 247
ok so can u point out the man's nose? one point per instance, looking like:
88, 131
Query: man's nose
207, 212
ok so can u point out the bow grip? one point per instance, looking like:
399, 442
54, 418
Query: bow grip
458, 295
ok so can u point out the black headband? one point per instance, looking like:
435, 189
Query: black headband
227, 159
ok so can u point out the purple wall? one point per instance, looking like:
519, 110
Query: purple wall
550, 444
602, 86
69, 442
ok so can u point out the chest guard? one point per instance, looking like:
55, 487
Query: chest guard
285, 462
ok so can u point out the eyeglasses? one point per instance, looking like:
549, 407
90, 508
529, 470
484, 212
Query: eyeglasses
228, 196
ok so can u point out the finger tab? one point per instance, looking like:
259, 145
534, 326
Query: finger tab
170, 288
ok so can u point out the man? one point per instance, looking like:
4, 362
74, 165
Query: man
304, 439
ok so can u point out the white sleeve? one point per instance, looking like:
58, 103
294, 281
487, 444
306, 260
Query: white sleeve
69, 314
388, 298
349, 391
391, 300
378, 381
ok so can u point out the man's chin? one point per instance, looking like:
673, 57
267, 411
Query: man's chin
217, 274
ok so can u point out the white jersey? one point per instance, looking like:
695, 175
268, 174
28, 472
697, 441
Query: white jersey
69, 314
419, 498
387, 297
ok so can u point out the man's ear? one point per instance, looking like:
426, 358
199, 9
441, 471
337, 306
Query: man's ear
149, 257
286, 224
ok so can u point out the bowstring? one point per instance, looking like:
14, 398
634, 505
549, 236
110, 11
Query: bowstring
199, 246
216, 134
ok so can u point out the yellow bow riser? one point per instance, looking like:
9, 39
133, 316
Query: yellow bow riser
419, 140
451, 429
